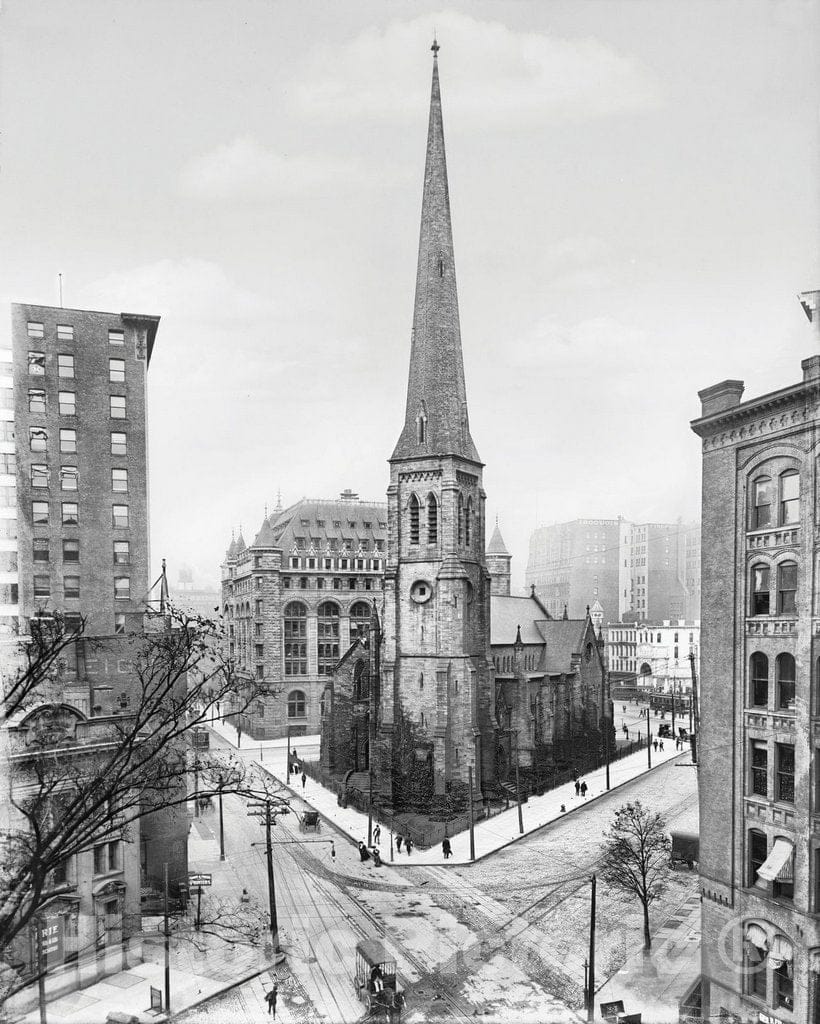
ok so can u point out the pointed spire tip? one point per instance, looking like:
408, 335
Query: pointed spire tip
435, 47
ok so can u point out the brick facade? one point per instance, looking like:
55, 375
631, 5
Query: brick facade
760, 717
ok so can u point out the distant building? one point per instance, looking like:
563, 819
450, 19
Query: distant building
759, 768
195, 600
662, 655
294, 600
661, 557
573, 564
637, 572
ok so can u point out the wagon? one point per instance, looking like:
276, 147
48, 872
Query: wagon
685, 849
310, 822
372, 966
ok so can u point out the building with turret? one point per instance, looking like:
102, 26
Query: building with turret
499, 562
292, 603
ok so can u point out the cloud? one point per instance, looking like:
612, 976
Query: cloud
491, 73
243, 168
190, 290
593, 349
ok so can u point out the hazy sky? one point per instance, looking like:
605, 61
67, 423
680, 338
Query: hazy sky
634, 188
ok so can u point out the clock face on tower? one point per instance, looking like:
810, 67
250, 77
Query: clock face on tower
421, 591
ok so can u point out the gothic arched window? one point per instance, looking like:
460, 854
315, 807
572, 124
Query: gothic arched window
468, 521
414, 519
360, 614
460, 517
432, 519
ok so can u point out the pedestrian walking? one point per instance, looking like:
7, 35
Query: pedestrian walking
304, 780
446, 849
626, 731
624, 708
408, 845
399, 841
377, 857
584, 790
377, 834
270, 999
655, 744
364, 853
577, 787
660, 745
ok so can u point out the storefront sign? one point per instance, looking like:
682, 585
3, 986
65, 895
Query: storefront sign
51, 937
156, 999
767, 1018
194, 880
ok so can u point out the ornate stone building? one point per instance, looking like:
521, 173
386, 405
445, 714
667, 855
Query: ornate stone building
294, 600
759, 739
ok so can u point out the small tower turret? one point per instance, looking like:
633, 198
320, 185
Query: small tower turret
499, 561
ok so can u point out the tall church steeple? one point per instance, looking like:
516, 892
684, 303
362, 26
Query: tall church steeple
436, 421
436, 725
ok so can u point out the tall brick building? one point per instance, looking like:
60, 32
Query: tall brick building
436, 686
573, 564
294, 600
76, 440
760, 711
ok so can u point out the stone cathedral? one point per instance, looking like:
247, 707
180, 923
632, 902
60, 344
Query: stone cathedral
436, 669
421, 703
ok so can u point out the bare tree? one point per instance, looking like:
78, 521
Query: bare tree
636, 857
74, 782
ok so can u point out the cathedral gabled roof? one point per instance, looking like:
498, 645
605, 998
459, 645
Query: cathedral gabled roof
231, 552
436, 420
240, 543
497, 545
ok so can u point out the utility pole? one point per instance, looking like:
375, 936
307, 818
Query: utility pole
196, 785
607, 727
167, 942
591, 976
472, 833
274, 926
41, 970
648, 746
674, 697
518, 789
694, 706
287, 758
221, 827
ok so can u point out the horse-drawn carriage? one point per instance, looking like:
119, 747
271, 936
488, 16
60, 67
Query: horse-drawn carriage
685, 849
376, 981
310, 822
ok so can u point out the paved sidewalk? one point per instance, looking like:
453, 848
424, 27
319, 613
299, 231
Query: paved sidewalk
491, 835
196, 974
655, 985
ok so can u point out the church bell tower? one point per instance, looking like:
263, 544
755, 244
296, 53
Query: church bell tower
435, 727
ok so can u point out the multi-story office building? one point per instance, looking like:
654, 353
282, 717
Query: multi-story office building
293, 600
760, 700
638, 572
74, 454
659, 557
572, 564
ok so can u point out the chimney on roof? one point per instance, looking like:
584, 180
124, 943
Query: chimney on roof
810, 301
348, 495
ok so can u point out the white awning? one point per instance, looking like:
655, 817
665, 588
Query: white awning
781, 952
779, 858
756, 934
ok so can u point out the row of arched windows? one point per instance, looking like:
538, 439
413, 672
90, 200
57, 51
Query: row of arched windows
784, 681
465, 519
328, 618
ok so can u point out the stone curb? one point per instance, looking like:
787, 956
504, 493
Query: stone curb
213, 995
490, 853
